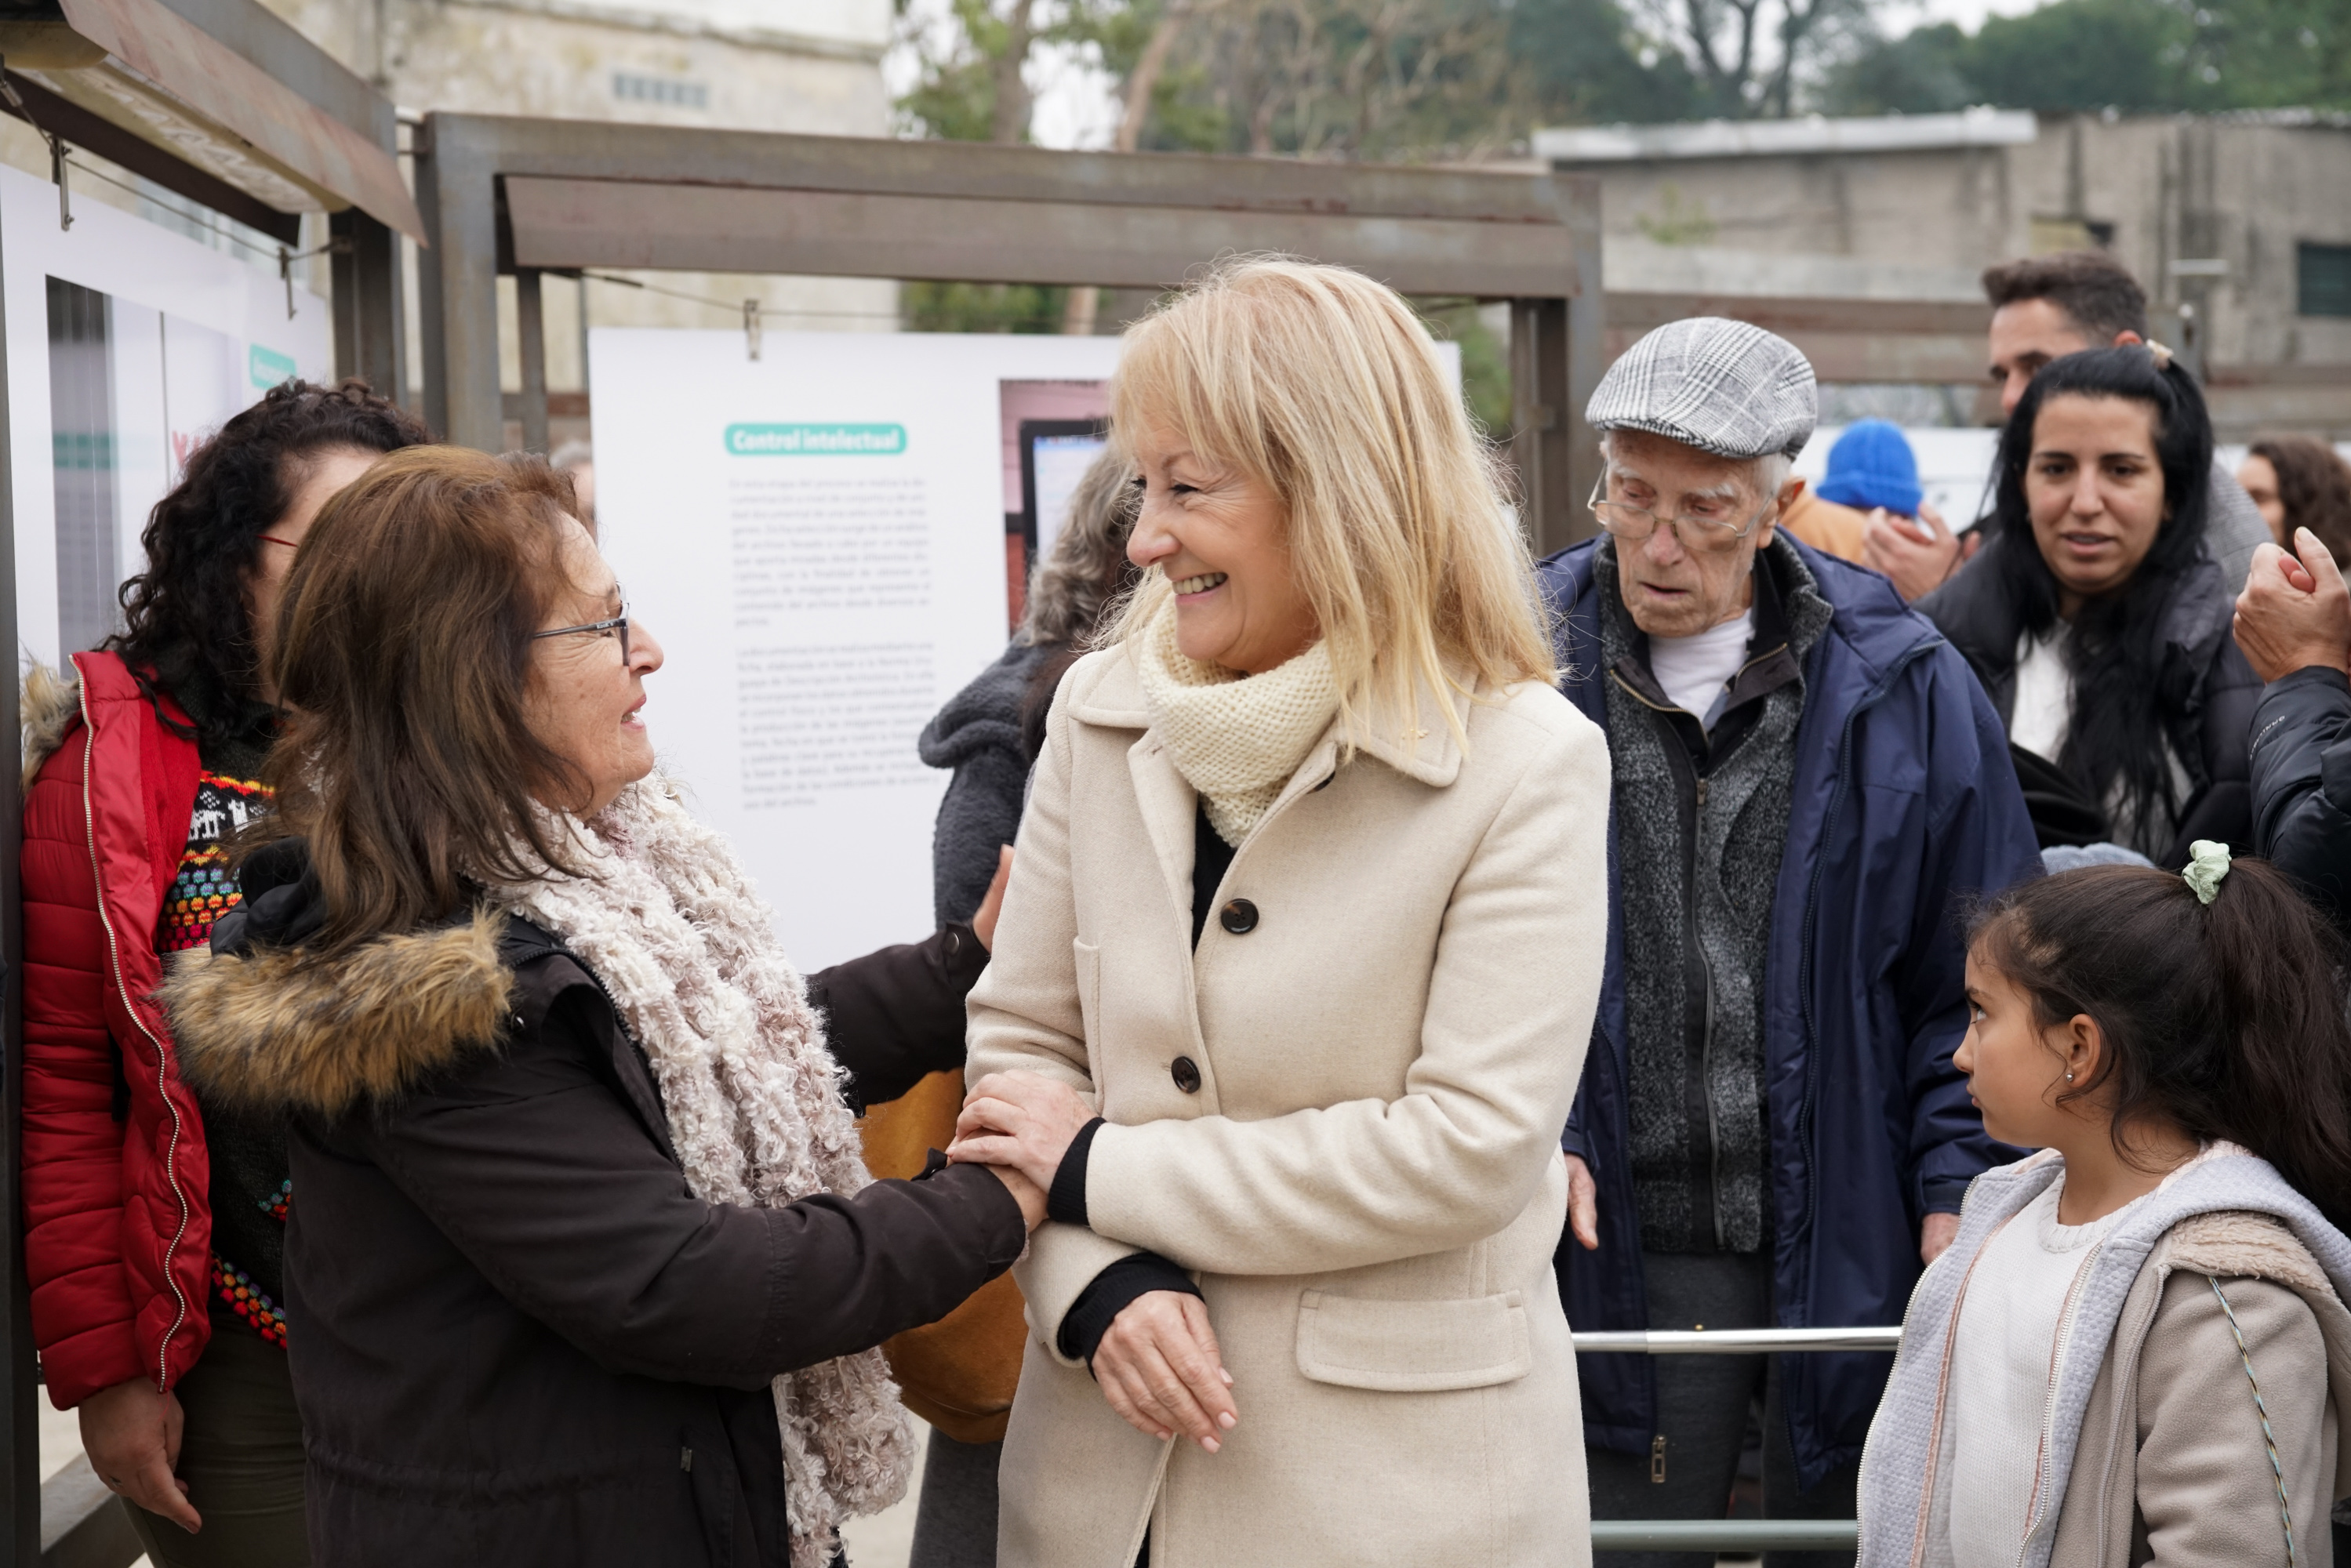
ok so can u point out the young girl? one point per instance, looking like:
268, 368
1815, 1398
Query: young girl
2137, 1350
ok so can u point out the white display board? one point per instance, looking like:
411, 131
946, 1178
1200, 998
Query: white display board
816, 538
189, 336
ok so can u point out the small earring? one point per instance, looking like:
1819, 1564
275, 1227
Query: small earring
2069, 1078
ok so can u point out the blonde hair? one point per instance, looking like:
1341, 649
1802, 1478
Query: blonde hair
1323, 385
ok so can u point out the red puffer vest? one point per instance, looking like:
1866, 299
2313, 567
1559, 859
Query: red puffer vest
117, 1232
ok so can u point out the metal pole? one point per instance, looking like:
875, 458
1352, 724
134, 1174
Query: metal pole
457, 292
20, 1440
1734, 1341
369, 341
1587, 350
1538, 395
530, 322
1738, 1537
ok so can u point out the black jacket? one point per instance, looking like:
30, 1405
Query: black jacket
2208, 692
2302, 785
517, 1337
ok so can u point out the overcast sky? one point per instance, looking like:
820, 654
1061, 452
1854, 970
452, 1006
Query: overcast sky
1968, 14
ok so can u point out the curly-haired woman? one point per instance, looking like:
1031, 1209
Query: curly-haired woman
154, 1224
2300, 482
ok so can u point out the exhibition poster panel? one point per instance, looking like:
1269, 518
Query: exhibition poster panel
817, 539
127, 345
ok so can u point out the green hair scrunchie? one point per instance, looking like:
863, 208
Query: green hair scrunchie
2208, 863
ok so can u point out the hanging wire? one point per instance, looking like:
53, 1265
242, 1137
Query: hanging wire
265, 252
733, 308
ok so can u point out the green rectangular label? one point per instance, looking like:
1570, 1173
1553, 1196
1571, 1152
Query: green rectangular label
816, 440
270, 368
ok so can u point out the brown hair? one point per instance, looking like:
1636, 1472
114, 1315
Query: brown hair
2225, 1019
2313, 485
403, 654
2096, 292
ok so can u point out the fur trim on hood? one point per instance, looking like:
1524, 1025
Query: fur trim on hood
46, 706
2242, 1244
263, 1030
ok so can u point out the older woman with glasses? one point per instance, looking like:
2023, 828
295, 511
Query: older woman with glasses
585, 1268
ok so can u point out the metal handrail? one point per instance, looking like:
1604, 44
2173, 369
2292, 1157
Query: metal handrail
1731, 1535
1737, 1341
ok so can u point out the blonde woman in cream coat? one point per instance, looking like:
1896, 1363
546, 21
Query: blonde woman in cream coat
1295, 979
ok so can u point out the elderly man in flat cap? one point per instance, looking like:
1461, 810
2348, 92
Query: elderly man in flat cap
1809, 785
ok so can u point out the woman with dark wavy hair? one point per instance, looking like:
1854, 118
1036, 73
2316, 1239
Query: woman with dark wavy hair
2299, 482
155, 1220
2096, 619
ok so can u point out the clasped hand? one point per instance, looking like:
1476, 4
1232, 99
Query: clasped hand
2293, 614
1158, 1365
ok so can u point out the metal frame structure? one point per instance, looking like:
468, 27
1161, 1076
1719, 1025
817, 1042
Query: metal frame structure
222, 102
1729, 1535
530, 196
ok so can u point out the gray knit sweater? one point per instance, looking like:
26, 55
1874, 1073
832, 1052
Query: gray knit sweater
1700, 837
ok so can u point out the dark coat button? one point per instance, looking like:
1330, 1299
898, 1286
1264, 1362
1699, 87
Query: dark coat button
1186, 1074
1239, 917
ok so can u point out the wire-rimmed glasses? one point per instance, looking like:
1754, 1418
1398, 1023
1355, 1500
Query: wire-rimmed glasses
1634, 524
617, 623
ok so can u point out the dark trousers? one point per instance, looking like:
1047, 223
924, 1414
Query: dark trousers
954, 1523
241, 1455
1704, 1405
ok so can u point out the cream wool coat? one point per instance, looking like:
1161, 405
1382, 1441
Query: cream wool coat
1367, 1183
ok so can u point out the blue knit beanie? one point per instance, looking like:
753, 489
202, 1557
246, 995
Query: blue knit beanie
1871, 465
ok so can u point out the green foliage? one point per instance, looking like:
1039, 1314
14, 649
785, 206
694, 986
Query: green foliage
955, 99
980, 308
1394, 80
2137, 56
1586, 63
1485, 360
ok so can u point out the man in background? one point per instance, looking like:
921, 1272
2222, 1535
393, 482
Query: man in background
1806, 779
2044, 308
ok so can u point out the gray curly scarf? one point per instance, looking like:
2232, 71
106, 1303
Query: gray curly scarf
687, 951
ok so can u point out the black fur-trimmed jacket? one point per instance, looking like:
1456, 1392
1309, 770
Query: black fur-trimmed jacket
517, 1337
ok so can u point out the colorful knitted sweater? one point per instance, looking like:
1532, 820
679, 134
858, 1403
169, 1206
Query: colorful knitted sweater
249, 1186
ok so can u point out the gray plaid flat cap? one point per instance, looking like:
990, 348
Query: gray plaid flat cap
1721, 386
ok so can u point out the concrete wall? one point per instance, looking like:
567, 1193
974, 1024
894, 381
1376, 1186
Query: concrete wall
2244, 190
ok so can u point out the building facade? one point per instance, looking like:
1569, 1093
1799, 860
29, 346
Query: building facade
2240, 225
811, 67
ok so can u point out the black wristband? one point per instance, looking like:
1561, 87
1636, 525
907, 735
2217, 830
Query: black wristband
1065, 1200
1098, 1304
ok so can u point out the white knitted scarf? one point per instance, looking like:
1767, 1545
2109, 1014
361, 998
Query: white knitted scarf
686, 950
1235, 738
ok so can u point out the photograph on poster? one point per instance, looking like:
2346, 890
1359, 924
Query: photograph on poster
128, 344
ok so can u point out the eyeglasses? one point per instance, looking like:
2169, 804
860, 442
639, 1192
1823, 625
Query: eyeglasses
617, 623
1634, 525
